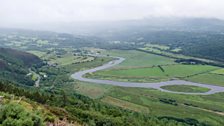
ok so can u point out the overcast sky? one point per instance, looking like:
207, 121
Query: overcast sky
42, 11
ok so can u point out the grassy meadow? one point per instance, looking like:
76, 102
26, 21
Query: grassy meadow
146, 67
139, 59
160, 104
186, 88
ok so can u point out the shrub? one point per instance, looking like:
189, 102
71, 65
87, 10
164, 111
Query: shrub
13, 114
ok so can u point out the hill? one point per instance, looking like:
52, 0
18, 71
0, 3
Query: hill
19, 57
14, 65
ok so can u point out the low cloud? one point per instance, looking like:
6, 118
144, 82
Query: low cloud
46, 11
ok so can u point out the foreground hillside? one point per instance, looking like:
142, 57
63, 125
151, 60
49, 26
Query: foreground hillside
20, 111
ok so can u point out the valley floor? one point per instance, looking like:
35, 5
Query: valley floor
158, 85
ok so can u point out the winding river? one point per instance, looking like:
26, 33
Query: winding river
79, 76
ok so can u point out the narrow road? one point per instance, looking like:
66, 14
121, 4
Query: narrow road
79, 76
37, 82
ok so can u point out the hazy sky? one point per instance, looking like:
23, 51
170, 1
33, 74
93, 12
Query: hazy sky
41, 11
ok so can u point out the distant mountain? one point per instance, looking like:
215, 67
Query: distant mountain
125, 29
14, 65
146, 24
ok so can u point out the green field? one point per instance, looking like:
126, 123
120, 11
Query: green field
208, 78
145, 67
161, 47
42, 42
38, 53
171, 71
94, 90
151, 100
186, 88
220, 72
176, 50
70, 58
139, 59
62, 59
125, 104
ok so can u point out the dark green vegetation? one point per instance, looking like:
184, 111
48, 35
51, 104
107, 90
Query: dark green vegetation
15, 115
16, 110
14, 65
185, 88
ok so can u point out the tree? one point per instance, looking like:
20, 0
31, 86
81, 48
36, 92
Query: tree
64, 98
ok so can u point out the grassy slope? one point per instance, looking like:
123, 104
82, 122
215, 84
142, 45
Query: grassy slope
93, 91
15, 56
125, 104
150, 98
